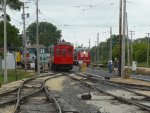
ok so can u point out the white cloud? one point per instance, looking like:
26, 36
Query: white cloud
87, 17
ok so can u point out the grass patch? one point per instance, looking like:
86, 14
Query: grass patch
14, 75
143, 64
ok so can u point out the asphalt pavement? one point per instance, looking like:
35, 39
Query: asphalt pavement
105, 73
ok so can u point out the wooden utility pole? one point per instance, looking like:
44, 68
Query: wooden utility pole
132, 33
110, 45
37, 37
123, 75
128, 44
120, 35
24, 35
148, 49
5, 43
97, 48
101, 53
89, 43
95, 56
24, 38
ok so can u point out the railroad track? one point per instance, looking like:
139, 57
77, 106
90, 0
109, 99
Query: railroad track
33, 96
120, 93
10, 96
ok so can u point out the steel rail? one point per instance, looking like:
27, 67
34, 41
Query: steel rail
19, 98
16, 89
148, 87
117, 97
113, 84
52, 97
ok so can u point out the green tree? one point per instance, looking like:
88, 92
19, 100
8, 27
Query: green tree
140, 50
48, 33
13, 41
13, 4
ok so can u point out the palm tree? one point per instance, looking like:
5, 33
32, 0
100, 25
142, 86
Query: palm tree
13, 4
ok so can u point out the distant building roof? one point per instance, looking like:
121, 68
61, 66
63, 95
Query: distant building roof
64, 43
34, 46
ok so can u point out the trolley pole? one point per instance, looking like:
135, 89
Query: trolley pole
5, 44
37, 37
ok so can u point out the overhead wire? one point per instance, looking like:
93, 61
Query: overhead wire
90, 6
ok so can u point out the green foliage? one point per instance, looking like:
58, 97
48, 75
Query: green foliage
12, 36
13, 4
48, 33
140, 52
115, 51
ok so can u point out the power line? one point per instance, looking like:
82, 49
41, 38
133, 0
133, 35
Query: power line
92, 6
16, 20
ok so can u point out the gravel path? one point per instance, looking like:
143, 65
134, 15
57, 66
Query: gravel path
71, 94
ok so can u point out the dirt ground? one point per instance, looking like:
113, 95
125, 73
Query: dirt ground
130, 81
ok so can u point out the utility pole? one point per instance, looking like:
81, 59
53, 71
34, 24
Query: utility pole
132, 33
148, 49
128, 44
95, 56
120, 35
37, 37
5, 44
97, 48
110, 45
89, 43
76, 44
101, 53
24, 35
123, 41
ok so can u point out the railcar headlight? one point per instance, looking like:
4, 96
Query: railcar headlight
84, 52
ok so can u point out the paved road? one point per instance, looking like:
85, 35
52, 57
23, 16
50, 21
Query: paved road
105, 73
99, 72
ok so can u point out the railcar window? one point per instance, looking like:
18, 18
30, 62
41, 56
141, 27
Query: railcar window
57, 51
69, 51
81, 54
63, 52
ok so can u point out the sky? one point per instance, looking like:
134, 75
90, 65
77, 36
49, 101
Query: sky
81, 20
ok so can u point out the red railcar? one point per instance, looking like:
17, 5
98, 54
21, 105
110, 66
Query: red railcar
61, 56
82, 54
